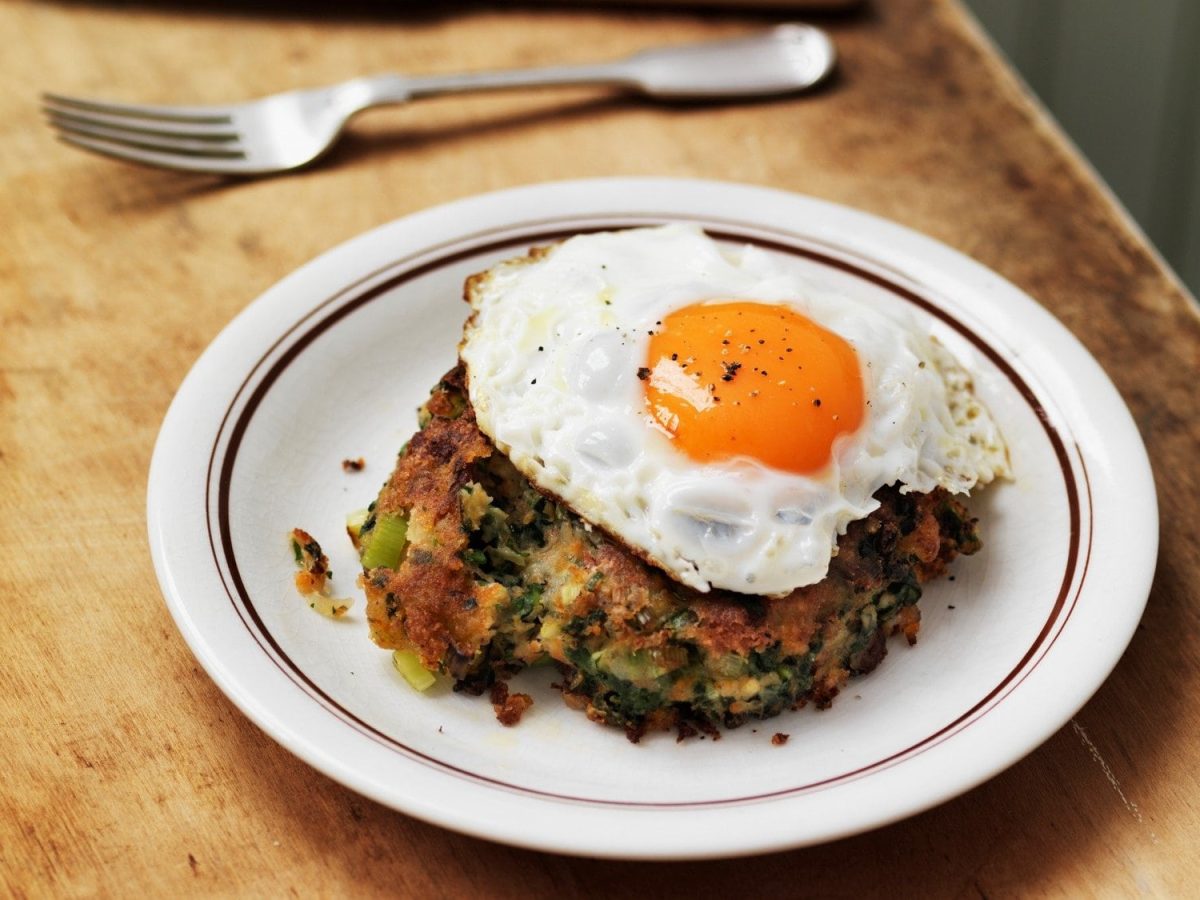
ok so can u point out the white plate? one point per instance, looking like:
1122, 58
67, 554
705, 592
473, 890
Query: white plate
332, 362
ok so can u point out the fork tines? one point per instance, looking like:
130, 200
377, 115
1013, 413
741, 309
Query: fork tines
192, 138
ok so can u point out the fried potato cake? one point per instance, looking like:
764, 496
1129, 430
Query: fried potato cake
489, 576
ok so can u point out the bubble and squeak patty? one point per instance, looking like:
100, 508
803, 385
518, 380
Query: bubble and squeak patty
491, 576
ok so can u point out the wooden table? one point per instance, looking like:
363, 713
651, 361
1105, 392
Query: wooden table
128, 772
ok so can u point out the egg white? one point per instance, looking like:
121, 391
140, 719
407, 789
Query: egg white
552, 352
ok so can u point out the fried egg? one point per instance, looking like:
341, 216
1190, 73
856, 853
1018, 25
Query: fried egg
712, 408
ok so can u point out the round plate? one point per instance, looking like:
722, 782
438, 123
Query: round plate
332, 362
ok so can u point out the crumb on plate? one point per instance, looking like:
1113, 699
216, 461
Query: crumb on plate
312, 581
509, 707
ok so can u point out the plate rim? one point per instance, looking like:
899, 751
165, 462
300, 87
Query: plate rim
554, 190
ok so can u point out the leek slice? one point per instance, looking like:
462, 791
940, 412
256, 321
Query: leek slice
387, 541
408, 665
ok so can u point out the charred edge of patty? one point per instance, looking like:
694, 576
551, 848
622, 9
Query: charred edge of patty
497, 576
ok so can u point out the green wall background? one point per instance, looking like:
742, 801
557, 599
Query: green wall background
1123, 79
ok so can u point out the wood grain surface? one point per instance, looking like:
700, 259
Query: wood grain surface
128, 773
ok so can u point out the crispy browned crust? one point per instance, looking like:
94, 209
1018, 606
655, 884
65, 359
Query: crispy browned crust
444, 614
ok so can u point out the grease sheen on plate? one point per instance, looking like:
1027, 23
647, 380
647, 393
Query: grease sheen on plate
1040, 615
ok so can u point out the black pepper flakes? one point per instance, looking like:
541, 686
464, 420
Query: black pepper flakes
643, 373
731, 369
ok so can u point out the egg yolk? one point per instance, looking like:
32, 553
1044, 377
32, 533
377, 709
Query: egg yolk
740, 378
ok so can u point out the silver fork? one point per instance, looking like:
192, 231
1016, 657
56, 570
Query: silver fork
289, 130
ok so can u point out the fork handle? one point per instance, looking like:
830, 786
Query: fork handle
613, 74
387, 89
784, 59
